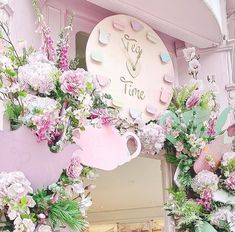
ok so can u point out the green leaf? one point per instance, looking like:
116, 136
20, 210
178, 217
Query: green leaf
10, 72
206, 227
201, 115
22, 93
222, 120
171, 158
168, 114
187, 116
171, 139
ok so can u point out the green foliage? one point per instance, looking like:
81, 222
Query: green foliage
222, 120
172, 159
42, 198
13, 113
74, 63
205, 227
66, 212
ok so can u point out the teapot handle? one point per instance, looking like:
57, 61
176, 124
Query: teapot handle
129, 135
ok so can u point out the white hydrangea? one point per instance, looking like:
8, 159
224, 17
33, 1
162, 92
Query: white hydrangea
37, 74
224, 215
35, 105
205, 180
152, 138
14, 185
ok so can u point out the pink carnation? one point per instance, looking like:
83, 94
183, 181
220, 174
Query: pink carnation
74, 170
193, 100
230, 181
72, 82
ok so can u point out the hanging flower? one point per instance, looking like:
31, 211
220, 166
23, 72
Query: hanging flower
189, 53
205, 180
72, 82
194, 66
205, 199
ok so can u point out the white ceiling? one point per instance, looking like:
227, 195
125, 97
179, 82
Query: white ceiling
134, 188
197, 22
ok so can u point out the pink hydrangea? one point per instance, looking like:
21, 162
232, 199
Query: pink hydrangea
193, 100
230, 182
72, 82
74, 170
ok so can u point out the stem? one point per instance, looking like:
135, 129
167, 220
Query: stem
9, 41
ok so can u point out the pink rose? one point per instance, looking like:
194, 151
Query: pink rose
75, 168
193, 100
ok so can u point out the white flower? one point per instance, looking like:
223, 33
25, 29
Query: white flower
37, 74
152, 138
44, 228
189, 53
78, 188
194, 66
86, 202
205, 180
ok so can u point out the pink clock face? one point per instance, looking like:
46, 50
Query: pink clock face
132, 64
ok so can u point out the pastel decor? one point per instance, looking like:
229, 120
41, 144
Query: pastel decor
168, 78
104, 37
134, 113
97, 56
151, 37
21, 152
118, 25
214, 151
131, 61
151, 109
165, 57
165, 96
105, 148
136, 26
103, 80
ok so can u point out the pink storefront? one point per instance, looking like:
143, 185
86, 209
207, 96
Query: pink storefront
153, 36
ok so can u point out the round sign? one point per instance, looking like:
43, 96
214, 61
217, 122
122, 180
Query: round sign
132, 64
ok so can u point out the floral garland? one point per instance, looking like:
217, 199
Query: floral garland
46, 92
203, 197
62, 203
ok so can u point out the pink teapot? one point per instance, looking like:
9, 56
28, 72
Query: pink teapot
20, 152
105, 148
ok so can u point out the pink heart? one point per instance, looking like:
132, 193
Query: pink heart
118, 25
165, 96
103, 81
168, 78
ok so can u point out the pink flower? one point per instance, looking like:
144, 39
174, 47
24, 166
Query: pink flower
211, 127
72, 82
231, 130
205, 199
103, 116
74, 170
230, 181
179, 146
193, 100
63, 62
42, 124
47, 46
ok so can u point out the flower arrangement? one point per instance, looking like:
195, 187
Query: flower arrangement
61, 204
202, 199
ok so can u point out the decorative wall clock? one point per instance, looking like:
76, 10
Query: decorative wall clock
132, 64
